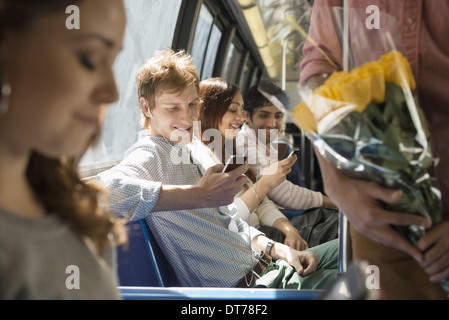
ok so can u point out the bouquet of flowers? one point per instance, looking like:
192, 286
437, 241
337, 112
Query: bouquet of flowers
365, 119
369, 125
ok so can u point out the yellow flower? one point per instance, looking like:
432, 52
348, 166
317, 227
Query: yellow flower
330, 89
356, 92
374, 73
328, 92
350, 88
358, 88
304, 118
396, 67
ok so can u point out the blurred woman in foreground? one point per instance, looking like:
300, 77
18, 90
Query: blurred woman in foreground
55, 241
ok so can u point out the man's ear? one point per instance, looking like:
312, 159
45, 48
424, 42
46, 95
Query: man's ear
248, 118
145, 108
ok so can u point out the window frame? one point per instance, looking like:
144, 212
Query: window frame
228, 19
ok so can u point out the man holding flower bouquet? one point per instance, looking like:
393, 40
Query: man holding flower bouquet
410, 268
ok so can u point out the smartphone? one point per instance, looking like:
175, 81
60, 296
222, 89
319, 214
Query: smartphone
294, 151
239, 160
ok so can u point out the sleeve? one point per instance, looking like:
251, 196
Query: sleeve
324, 34
246, 232
294, 197
268, 213
131, 191
242, 210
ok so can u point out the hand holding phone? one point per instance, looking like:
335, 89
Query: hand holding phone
294, 151
231, 161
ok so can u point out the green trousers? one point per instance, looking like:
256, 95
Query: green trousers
281, 275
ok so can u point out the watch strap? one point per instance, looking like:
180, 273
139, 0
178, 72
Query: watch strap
269, 246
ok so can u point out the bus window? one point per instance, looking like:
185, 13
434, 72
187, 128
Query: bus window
232, 63
248, 69
254, 77
212, 49
201, 38
206, 43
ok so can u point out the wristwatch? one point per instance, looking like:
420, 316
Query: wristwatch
269, 246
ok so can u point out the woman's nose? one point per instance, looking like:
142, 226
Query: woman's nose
107, 92
241, 116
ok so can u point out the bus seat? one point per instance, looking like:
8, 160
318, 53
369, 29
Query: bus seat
141, 262
145, 274
166, 274
290, 214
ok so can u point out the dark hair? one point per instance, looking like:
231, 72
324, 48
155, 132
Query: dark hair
56, 182
254, 99
216, 95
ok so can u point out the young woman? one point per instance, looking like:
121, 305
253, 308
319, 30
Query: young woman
55, 242
222, 109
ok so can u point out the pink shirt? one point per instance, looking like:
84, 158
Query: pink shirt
424, 30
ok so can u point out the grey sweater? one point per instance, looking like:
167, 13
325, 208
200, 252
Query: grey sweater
45, 259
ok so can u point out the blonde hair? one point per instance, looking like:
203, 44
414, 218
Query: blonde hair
167, 71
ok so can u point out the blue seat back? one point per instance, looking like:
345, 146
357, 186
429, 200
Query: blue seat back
141, 262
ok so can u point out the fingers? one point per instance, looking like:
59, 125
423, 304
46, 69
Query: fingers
216, 168
433, 236
389, 237
400, 243
384, 194
240, 182
375, 223
289, 162
312, 264
305, 263
285, 166
238, 177
221, 188
240, 170
299, 268
435, 245
304, 245
299, 245
436, 263
395, 218
402, 219
440, 276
